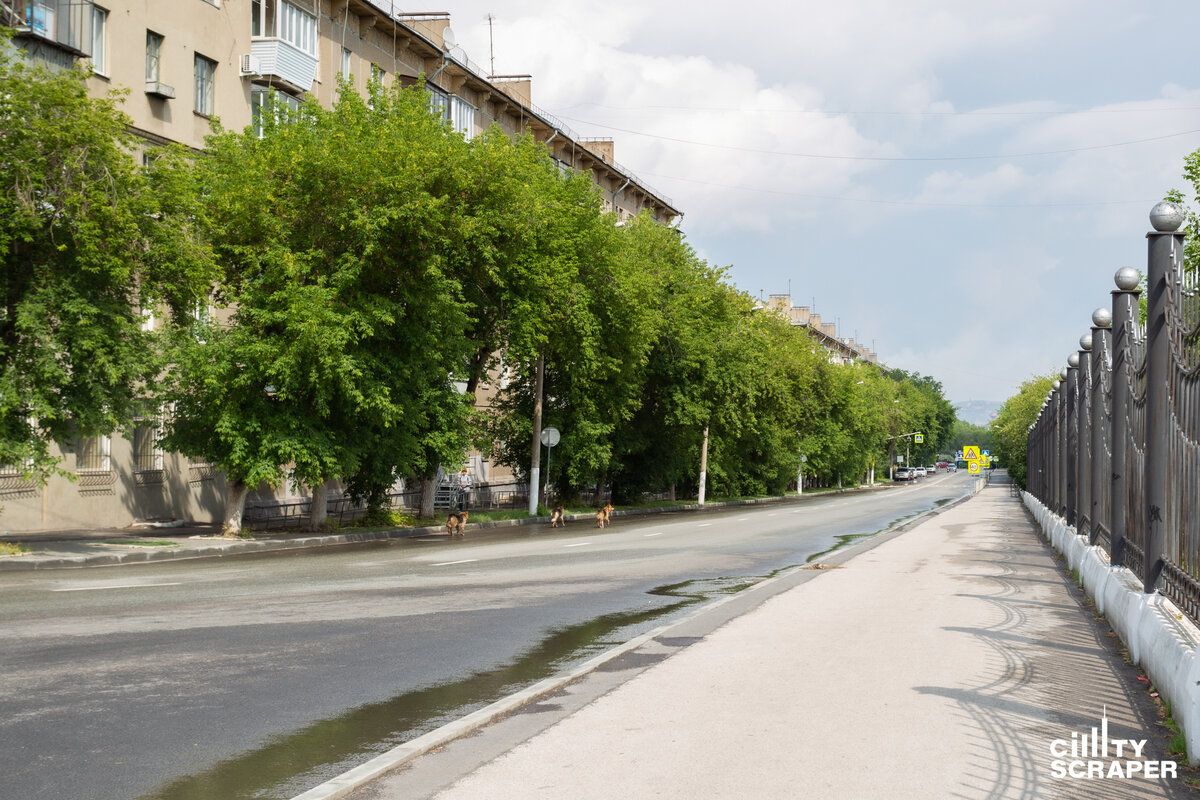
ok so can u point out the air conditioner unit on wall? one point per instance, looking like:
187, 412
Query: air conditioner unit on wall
250, 65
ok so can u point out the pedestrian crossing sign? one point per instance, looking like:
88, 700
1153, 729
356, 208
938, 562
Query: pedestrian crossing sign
970, 452
920, 438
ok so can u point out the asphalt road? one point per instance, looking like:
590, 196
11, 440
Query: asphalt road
263, 676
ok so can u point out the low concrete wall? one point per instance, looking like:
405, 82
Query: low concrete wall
1160, 639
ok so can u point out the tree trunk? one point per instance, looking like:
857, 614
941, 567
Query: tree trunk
318, 514
428, 488
235, 506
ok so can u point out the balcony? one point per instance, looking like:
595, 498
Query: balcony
281, 60
66, 24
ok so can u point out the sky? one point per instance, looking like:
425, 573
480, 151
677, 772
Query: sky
953, 183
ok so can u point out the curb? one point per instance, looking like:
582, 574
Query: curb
250, 546
358, 777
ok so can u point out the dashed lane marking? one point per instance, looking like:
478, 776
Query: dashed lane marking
116, 586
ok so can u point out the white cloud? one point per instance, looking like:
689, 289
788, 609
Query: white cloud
1024, 246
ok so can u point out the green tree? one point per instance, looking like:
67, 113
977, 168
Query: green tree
88, 240
344, 323
964, 433
1010, 428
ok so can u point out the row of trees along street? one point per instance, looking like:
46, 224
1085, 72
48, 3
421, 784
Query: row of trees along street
324, 286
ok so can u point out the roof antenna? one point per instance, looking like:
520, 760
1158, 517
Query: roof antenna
491, 44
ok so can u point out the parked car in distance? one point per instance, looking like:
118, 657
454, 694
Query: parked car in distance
918, 472
904, 474
931, 470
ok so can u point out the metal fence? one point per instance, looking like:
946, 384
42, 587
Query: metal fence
1115, 450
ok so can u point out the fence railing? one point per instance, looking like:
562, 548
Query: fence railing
1115, 450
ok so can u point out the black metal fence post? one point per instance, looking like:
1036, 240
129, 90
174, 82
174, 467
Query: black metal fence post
1165, 245
1124, 307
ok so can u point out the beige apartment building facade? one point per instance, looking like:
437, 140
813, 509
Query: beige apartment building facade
188, 62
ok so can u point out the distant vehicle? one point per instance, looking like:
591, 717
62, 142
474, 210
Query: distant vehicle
931, 470
952, 467
918, 472
943, 464
905, 474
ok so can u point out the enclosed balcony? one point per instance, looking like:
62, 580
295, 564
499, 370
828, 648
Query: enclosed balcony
66, 25
283, 43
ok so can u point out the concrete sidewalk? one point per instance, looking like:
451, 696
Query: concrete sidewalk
954, 660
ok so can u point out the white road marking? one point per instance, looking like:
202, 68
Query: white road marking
117, 586
452, 563
704, 524
648, 535
741, 519
577, 544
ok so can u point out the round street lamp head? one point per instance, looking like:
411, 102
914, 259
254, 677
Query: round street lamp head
1102, 318
1073, 360
1085, 342
1166, 216
1127, 279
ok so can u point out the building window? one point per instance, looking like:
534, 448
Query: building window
206, 70
439, 103
265, 100
345, 63
147, 454
94, 454
377, 74
99, 44
154, 43
281, 19
462, 116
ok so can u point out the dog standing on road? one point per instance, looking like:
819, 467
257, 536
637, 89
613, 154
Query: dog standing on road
558, 518
602, 516
455, 522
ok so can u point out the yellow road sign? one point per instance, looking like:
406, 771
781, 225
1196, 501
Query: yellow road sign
920, 438
973, 466
970, 452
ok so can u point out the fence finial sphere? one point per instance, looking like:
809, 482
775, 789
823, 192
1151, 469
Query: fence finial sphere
1085, 342
1058, 384
1127, 279
1073, 360
1102, 318
1063, 373
1166, 216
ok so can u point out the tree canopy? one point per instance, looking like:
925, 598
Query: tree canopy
1010, 428
90, 244
343, 285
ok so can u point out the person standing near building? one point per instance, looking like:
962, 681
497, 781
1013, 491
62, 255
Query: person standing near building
464, 489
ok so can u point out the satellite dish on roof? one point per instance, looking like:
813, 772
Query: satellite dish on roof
448, 40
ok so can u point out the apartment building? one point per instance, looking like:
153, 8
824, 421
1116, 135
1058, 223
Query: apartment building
187, 62
841, 350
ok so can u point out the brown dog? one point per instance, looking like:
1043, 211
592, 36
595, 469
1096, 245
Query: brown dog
455, 522
602, 516
558, 518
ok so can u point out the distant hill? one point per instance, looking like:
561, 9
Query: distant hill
977, 412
